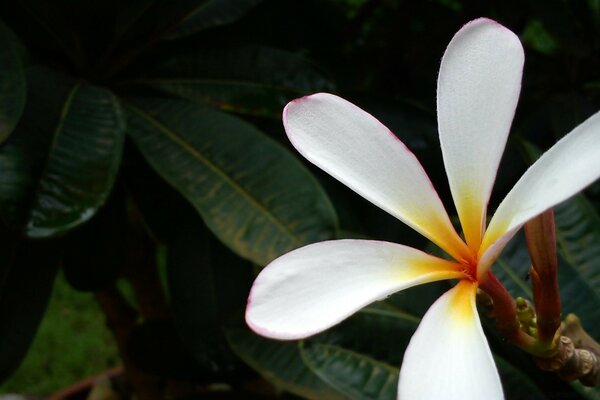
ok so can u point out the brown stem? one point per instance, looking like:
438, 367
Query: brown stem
121, 319
541, 243
505, 313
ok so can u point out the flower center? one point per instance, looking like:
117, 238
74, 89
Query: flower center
470, 268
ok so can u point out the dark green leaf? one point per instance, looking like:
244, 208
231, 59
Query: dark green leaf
355, 375
24, 154
578, 237
82, 163
536, 36
211, 13
516, 384
248, 80
250, 192
23, 301
280, 363
361, 356
12, 83
381, 331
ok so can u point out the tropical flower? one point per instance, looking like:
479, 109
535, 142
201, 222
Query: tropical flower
315, 287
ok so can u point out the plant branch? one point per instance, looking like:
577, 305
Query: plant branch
578, 354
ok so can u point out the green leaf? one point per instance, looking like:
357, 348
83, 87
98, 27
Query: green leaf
211, 13
516, 384
82, 163
361, 356
23, 155
249, 80
23, 301
380, 330
578, 238
12, 83
250, 191
353, 374
280, 363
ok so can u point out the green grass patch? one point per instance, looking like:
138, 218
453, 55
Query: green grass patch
72, 343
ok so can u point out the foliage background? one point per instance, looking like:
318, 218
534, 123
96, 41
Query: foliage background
147, 133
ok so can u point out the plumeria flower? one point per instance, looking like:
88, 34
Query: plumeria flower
315, 287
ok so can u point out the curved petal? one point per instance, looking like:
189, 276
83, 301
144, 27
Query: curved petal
478, 89
568, 167
314, 287
448, 356
358, 150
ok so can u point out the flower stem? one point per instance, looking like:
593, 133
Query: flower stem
505, 313
541, 243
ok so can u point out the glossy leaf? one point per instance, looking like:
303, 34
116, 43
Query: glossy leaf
249, 80
280, 363
380, 330
82, 163
361, 357
250, 192
211, 13
353, 374
578, 241
24, 154
23, 301
12, 83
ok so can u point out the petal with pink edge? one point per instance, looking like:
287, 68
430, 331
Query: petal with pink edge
448, 356
358, 150
317, 286
567, 168
478, 89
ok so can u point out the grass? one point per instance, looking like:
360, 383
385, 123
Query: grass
72, 343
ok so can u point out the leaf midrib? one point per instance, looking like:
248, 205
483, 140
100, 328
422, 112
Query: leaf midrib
171, 134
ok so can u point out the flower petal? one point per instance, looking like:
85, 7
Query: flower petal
568, 167
448, 356
314, 287
358, 150
478, 89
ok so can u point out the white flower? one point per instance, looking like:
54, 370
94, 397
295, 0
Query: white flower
315, 287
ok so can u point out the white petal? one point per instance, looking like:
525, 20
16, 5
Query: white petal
568, 167
448, 356
358, 150
478, 89
313, 288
